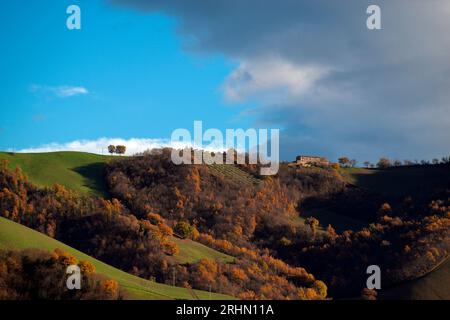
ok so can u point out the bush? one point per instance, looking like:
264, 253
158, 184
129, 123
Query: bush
183, 230
37, 274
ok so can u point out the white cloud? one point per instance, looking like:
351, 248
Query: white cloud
273, 78
100, 146
384, 93
60, 91
66, 91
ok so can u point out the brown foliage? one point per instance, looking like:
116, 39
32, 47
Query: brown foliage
36, 274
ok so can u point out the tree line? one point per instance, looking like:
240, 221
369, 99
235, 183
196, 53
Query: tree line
119, 149
384, 162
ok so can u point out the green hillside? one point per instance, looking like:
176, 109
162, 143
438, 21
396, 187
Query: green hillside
79, 171
399, 181
433, 286
16, 236
191, 252
83, 172
235, 174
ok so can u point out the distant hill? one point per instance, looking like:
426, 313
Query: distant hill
399, 181
16, 236
79, 171
83, 172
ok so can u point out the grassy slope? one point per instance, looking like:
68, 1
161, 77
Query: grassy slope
234, 173
433, 286
191, 251
393, 182
83, 172
399, 181
402, 181
13, 235
79, 171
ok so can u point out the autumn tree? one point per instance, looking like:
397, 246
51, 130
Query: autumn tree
369, 294
335, 166
120, 149
384, 163
344, 161
313, 223
183, 229
111, 149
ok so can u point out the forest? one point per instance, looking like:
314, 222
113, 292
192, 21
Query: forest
278, 252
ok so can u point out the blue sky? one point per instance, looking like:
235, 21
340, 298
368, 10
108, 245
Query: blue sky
140, 82
143, 68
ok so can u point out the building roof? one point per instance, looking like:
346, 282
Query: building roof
318, 157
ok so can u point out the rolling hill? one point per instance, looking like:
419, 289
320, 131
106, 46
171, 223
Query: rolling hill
79, 171
433, 286
398, 181
83, 172
16, 236
192, 251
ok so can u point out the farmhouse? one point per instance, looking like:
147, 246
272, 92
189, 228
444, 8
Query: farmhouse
307, 161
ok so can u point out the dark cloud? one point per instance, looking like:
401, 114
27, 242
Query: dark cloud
319, 73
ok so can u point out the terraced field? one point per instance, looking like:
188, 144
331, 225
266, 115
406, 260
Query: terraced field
234, 173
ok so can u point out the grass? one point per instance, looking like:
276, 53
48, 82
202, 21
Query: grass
433, 286
235, 174
16, 236
191, 252
399, 181
78, 171
83, 172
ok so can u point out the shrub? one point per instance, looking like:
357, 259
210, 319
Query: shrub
183, 230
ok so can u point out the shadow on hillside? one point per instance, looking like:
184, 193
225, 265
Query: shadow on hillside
93, 175
405, 181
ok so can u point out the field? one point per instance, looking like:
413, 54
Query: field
235, 174
13, 235
191, 251
433, 286
79, 171
83, 172
398, 181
